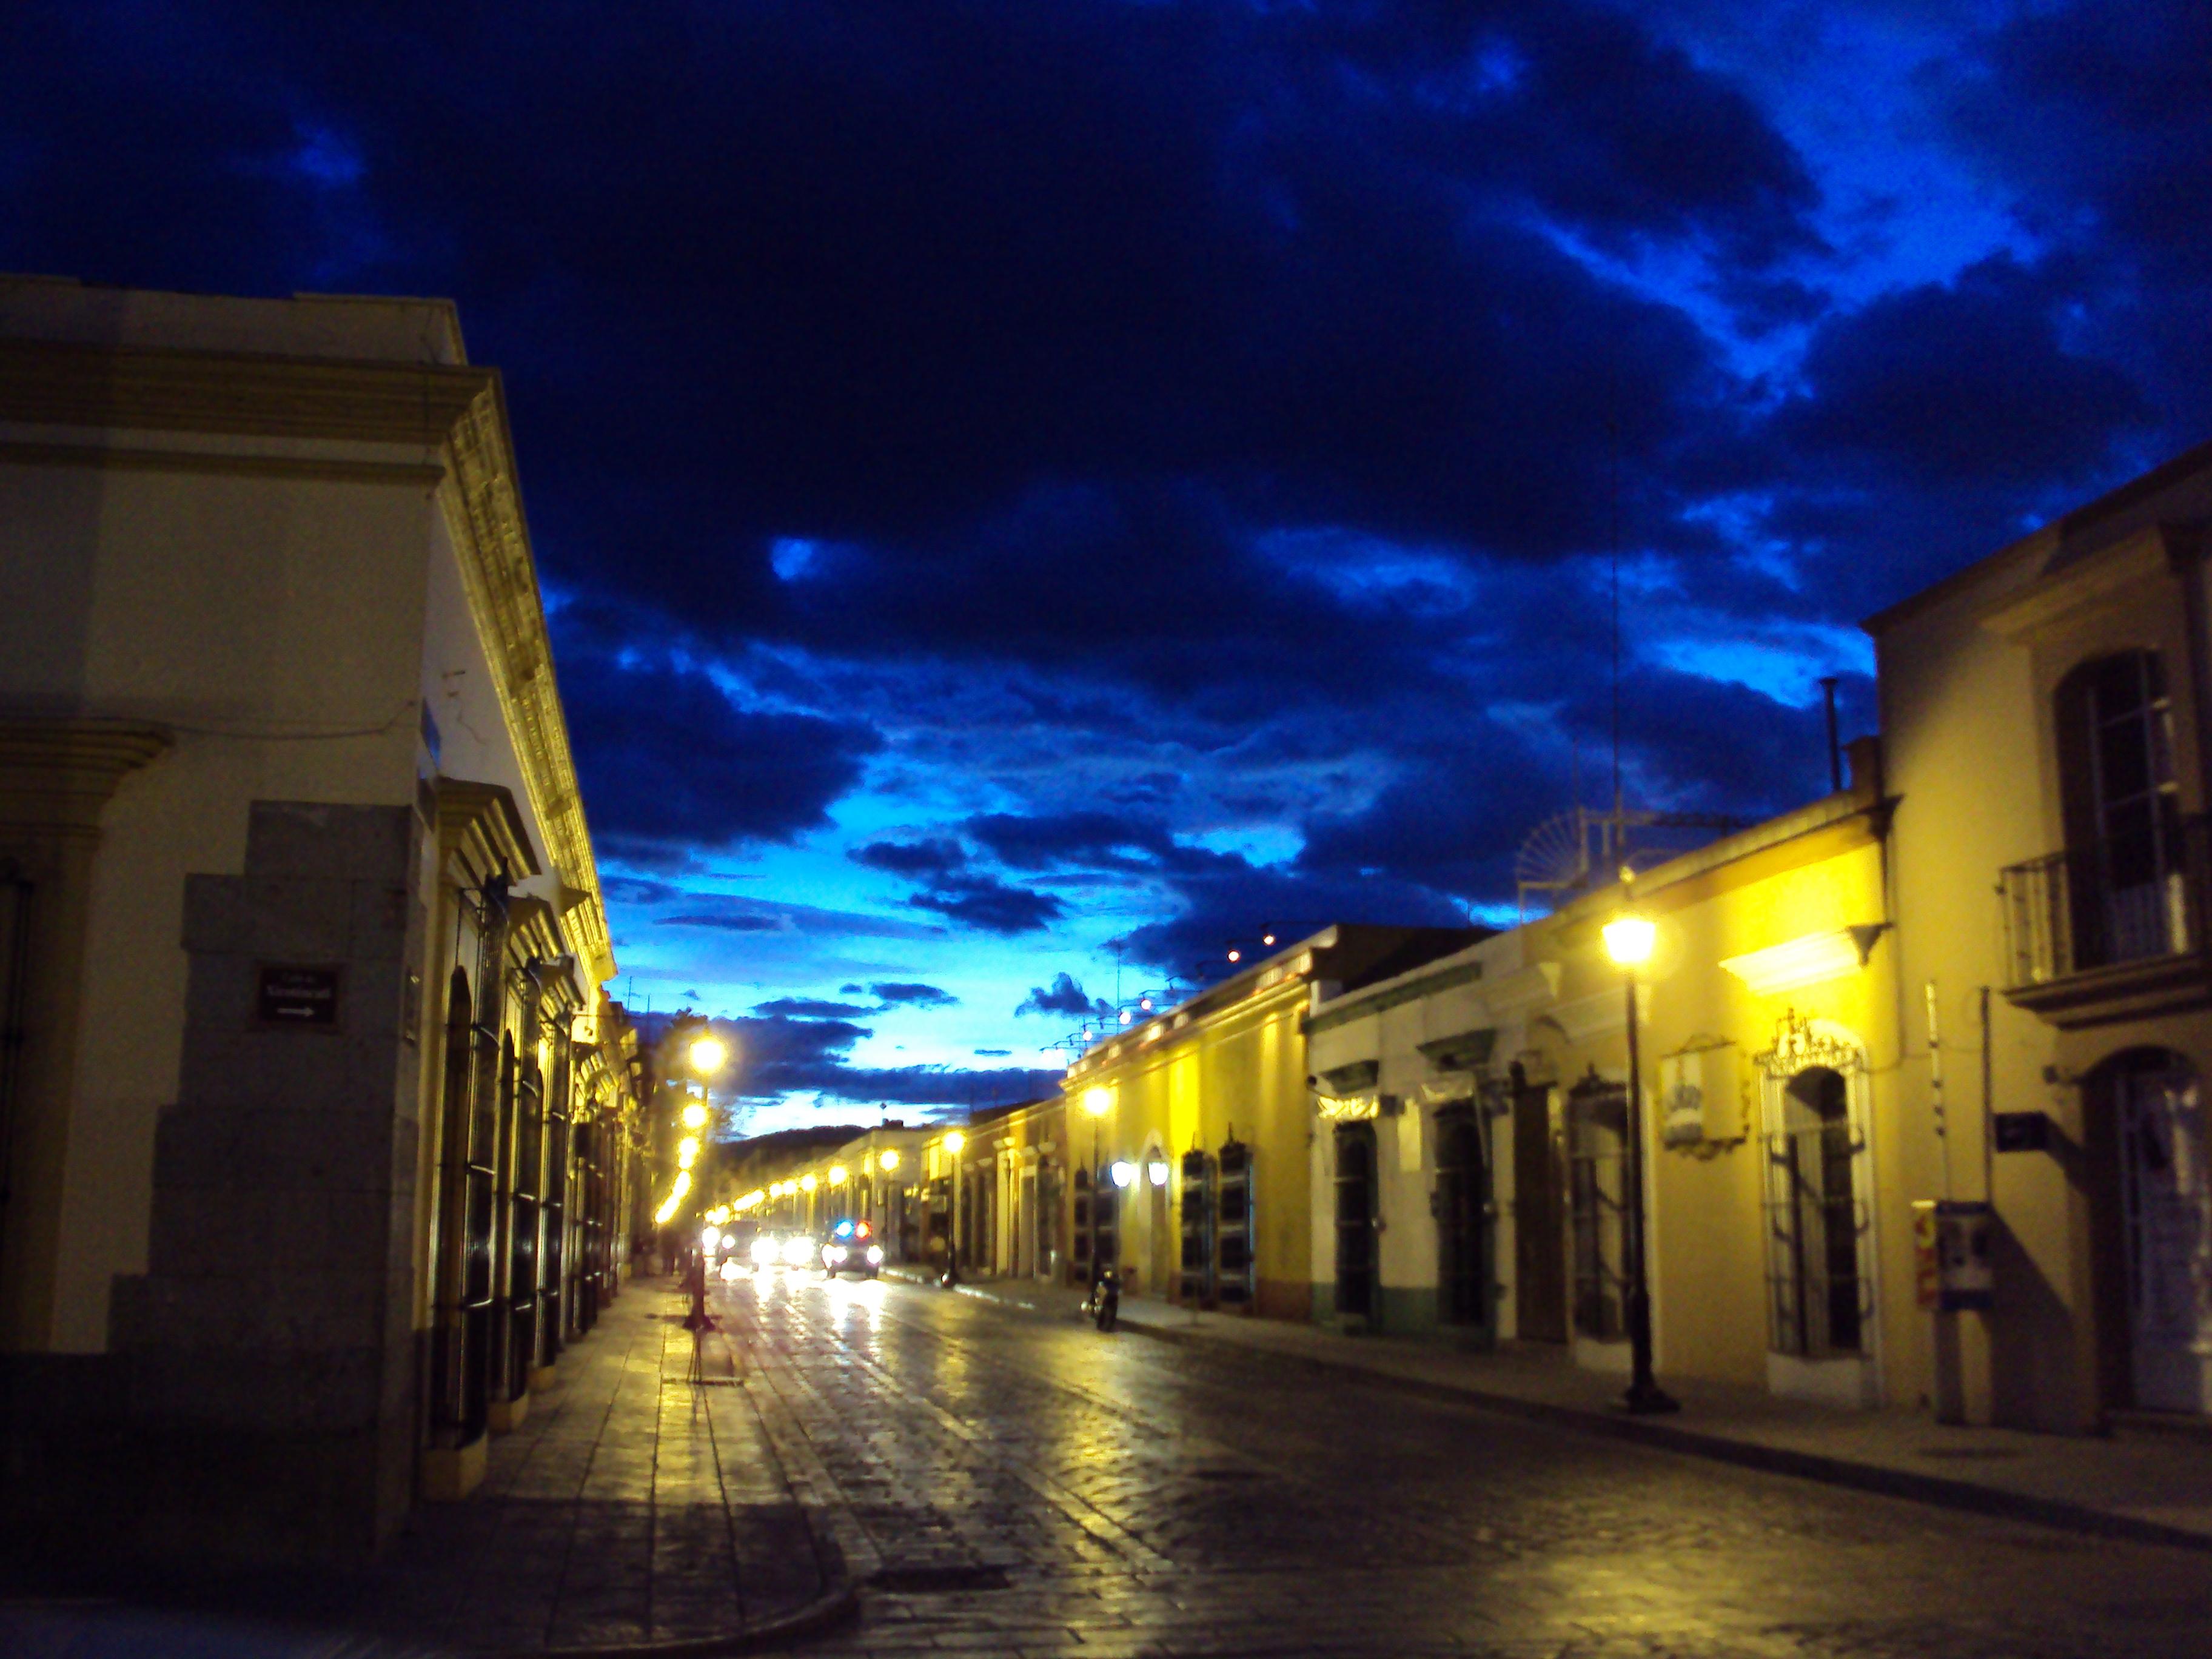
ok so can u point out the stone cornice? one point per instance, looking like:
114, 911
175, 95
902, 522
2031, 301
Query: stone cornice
145, 389
483, 515
59, 773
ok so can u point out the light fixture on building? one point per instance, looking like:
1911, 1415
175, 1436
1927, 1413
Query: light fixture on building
1157, 1171
888, 1160
1123, 1172
837, 1174
707, 1055
955, 1143
1097, 1102
808, 1182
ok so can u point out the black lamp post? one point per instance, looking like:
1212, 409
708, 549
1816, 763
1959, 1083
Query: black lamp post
1628, 941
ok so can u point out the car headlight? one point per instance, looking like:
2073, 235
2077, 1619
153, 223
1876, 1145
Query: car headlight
765, 1250
875, 1255
798, 1252
833, 1253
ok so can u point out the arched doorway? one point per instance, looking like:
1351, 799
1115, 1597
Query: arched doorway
1463, 1245
1355, 1219
2153, 1218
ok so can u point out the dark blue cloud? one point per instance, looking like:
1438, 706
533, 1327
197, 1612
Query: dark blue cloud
989, 905
910, 994
665, 756
932, 857
1064, 996
809, 1008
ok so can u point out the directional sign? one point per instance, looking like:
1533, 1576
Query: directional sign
298, 996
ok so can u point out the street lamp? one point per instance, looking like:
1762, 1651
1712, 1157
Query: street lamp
1628, 940
955, 1143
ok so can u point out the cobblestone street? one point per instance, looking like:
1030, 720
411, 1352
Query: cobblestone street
1012, 1482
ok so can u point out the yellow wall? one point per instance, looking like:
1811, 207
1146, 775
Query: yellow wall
1241, 1070
1708, 1226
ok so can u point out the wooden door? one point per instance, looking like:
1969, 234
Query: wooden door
1539, 1280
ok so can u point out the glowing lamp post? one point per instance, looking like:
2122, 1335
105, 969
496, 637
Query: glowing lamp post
1628, 941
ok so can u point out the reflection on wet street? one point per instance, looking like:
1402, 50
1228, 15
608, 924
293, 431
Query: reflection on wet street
1011, 1482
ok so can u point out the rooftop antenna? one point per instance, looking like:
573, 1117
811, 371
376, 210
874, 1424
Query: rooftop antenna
1619, 839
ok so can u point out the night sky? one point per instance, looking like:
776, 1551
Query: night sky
1018, 481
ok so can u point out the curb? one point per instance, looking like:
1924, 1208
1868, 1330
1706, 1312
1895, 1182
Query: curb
1934, 1490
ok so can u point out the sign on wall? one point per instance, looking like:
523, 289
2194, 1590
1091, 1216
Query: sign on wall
292, 996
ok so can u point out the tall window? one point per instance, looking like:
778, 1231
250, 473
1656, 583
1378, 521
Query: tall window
1815, 1219
2124, 848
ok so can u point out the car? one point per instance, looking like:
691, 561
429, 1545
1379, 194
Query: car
774, 1249
852, 1247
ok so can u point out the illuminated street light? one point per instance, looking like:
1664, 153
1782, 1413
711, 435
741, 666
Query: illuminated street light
1098, 1101
955, 1143
1123, 1172
1629, 939
694, 1115
1157, 1172
687, 1151
889, 1160
837, 1174
707, 1055
808, 1182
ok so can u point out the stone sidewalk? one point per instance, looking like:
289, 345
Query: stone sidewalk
2153, 1486
634, 1511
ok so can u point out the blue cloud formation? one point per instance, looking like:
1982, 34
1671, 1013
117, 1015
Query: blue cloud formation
1020, 477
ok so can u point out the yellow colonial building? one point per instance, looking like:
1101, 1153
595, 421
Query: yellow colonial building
1189, 1132
1471, 1118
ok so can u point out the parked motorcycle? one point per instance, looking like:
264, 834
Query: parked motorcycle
1103, 1305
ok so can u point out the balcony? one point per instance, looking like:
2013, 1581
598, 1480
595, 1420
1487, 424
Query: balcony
2113, 931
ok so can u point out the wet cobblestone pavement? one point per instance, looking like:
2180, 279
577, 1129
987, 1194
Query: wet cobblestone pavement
1016, 1483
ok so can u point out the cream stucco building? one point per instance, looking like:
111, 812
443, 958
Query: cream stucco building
2045, 716
313, 1107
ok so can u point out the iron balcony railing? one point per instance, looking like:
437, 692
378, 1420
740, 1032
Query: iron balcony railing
2106, 904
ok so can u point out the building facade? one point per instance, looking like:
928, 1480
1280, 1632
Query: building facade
1470, 1162
315, 1130
1189, 1132
2045, 716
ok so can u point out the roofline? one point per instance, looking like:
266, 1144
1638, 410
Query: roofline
2197, 457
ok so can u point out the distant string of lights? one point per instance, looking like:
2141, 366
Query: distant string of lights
1065, 1051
